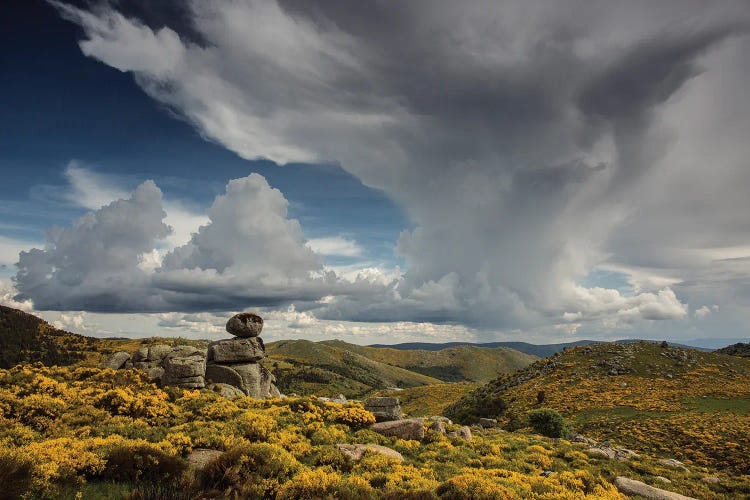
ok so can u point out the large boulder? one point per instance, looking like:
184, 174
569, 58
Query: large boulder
252, 378
185, 366
221, 374
631, 487
116, 360
242, 350
384, 409
410, 428
245, 325
355, 452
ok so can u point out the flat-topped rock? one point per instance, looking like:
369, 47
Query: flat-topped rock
632, 487
355, 452
240, 350
384, 409
245, 325
409, 428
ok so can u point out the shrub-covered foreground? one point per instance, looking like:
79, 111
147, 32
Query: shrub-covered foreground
81, 432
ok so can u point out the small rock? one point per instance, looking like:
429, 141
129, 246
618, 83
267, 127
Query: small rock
671, 462
462, 433
245, 325
632, 487
404, 429
199, 458
546, 473
603, 452
116, 360
440, 418
663, 479
355, 452
437, 426
487, 422
226, 390
710, 479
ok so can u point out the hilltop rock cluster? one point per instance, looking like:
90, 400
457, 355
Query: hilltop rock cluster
230, 366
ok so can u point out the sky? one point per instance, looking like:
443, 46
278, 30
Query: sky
378, 172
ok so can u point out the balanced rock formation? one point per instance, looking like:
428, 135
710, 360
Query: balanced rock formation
235, 361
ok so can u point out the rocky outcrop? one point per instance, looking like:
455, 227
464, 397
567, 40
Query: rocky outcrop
235, 361
632, 487
355, 452
384, 409
410, 428
149, 359
229, 366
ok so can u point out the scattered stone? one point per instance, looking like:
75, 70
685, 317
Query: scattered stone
603, 452
487, 422
671, 462
546, 473
199, 458
437, 426
245, 325
384, 409
355, 452
580, 438
440, 418
710, 479
663, 479
632, 487
462, 433
116, 360
405, 429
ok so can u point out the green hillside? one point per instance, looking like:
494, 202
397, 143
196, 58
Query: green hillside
683, 403
453, 364
306, 367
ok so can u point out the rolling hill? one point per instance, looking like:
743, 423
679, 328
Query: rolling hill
453, 364
741, 349
683, 403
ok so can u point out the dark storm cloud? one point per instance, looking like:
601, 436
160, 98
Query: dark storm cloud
520, 137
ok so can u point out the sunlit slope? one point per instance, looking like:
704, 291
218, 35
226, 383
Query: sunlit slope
679, 402
452, 364
307, 367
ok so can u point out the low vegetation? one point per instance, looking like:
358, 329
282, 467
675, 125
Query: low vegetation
647, 396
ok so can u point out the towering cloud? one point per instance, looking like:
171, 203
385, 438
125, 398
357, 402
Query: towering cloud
529, 142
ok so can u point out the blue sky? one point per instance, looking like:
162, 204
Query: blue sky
412, 180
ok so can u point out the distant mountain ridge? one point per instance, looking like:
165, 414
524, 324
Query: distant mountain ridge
540, 350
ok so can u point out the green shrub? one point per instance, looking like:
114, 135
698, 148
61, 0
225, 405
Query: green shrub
142, 462
253, 471
548, 423
16, 475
